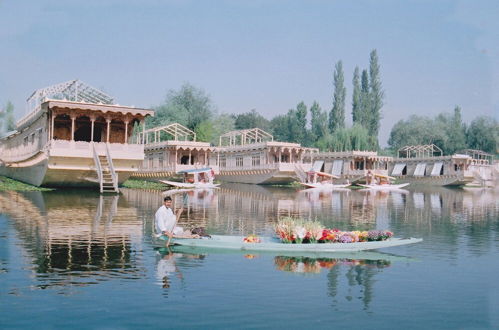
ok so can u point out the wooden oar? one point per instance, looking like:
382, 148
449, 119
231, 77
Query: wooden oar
179, 212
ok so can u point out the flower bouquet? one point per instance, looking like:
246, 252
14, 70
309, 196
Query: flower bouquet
296, 230
251, 239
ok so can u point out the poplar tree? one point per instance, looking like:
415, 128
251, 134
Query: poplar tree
457, 136
376, 94
364, 113
337, 114
318, 121
356, 101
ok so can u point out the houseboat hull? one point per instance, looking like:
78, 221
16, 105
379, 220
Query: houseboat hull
59, 171
443, 180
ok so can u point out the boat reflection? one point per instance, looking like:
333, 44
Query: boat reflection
75, 238
305, 265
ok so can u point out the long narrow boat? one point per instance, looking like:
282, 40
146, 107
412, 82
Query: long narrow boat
324, 186
199, 185
195, 178
351, 255
383, 186
273, 244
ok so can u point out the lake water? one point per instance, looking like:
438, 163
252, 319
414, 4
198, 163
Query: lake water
72, 258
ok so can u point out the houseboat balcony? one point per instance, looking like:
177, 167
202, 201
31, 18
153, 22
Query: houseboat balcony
83, 149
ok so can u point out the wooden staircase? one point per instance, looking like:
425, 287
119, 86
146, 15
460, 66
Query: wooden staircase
108, 180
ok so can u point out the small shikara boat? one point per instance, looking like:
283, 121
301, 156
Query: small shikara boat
273, 244
195, 178
383, 186
322, 180
376, 181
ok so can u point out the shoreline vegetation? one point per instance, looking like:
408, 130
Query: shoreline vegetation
7, 184
142, 184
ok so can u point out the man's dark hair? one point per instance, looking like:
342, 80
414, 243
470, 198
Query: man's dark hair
167, 198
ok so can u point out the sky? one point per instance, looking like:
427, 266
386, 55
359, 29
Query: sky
254, 54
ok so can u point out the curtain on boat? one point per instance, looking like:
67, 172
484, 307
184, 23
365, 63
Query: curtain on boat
420, 169
397, 170
317, 165
337, 167
437, 167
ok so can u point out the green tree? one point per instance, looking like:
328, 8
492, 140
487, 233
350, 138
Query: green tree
188, 106
337, 114
359, 138
376, 95
457, 132
204, 131
365, 102
319, 126
280, 127
416, 130
7, 120
251, 119
222, 124
356, 97
483, 134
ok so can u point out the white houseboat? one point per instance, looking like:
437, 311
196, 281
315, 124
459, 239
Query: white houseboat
172, 149
351, 166
425, 165
252, 156
73, 135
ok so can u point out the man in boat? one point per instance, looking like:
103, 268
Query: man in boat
166, 222
369, 177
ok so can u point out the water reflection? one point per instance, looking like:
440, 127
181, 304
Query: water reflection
75, 238
169, 265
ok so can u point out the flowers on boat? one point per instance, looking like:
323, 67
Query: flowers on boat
315, 265
251, 239
296, 230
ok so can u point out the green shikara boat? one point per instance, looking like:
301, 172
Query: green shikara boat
273, 244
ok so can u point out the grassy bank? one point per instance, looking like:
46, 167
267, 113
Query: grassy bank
140, 184
10, 184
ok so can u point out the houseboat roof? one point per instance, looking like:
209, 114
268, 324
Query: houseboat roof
116, 108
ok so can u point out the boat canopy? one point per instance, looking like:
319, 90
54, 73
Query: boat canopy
420, 169
337, 167
397, 170
437, 168
317, 165
196, 170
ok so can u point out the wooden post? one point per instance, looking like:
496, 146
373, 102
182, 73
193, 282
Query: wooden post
108, 121
73, 127
52, 128
92, 120
143, 130
126, 131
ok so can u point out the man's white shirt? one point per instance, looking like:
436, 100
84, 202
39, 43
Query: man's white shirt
164, 220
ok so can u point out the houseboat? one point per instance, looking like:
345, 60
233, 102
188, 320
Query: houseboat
172, 149
425, 165
74, 135
252, 156
351, 166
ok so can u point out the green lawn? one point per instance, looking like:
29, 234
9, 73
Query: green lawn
10, 184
